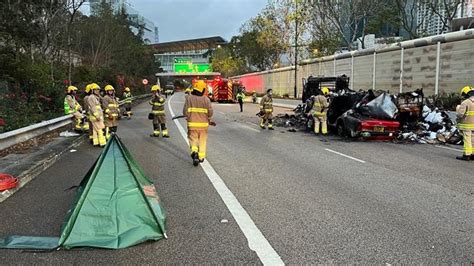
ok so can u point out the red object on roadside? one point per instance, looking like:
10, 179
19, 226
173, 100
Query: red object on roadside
7, 181
2, 122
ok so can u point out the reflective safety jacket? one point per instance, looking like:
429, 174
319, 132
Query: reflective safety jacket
320, 105
111, 107
94, 109
198, 111
127, 97
266, 104
71, 105
158, 105
240, 96
467, 110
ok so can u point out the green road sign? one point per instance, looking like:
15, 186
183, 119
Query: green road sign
192, 68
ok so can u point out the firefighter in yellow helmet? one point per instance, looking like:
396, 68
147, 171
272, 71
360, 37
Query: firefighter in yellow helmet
71, 106
157, 103
319, 111
466, 125
266, 110
88, 92
198, 112
127, 96
111, 109
96, 115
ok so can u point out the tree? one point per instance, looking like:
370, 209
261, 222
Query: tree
445, 10
225, 61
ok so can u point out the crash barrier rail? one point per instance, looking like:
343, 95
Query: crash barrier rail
441, 63
23, 134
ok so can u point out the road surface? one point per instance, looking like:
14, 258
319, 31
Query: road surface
294, 198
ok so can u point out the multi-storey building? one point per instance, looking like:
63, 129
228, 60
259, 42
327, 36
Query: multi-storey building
138, 22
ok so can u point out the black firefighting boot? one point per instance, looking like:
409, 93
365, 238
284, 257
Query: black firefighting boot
165, 131
464, 157
195, 157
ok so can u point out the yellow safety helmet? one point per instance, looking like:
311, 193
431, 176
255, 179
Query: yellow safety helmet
325, 90
127, 89
155, 88
88, 88
109, 88
94, 86
465, 90
71, 89
200, 86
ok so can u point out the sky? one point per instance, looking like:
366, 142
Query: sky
189, 19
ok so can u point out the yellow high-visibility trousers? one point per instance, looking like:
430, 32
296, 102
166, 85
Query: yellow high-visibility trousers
320, 121
198, 142
468, 139
98, 137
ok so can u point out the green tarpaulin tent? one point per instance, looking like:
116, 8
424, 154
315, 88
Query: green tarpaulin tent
116, 206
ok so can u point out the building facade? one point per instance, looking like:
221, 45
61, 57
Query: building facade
191, 56
138, 22
432, 23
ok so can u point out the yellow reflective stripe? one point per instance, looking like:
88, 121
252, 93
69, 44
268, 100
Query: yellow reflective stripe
319, 113
269, 110
158, 112
113, 105
197, 110
198, 124
158, 104
470, 113
466, 126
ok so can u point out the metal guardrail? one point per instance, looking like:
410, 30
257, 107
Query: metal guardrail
23, 134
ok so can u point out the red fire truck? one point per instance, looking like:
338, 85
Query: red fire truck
221, 90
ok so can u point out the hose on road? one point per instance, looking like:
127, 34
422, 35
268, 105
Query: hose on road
7, 181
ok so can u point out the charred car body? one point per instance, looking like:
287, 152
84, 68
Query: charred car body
367, 115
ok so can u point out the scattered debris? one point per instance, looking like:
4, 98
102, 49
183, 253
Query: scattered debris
224, 221
68, 134
404, 118
73, 150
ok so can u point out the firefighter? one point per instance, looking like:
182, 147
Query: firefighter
240, 97
266, 110
96, 116
71, 106
158, 109
88, 92
319, 111
111, 109
254, 97
466, 109
127, 95
198, 112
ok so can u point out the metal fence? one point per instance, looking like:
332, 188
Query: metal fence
443, 63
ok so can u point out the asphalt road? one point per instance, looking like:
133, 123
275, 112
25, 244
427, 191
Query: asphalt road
313, 201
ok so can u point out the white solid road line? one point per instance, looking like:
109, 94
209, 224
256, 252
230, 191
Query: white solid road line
257, 241
448, 148
347, 156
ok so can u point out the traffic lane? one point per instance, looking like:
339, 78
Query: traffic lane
194, 211
438, 163
321, 192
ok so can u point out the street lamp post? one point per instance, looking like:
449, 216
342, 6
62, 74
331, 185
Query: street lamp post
296, 47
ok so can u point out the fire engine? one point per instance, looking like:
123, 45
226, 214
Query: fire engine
221, 90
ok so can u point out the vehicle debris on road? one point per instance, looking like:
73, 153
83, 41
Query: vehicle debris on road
407, 117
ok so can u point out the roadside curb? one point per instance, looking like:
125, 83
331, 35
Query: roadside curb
26, 176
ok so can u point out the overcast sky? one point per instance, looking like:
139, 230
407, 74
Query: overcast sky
189, 19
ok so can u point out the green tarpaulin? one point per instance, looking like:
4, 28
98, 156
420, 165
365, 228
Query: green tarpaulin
116, 206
